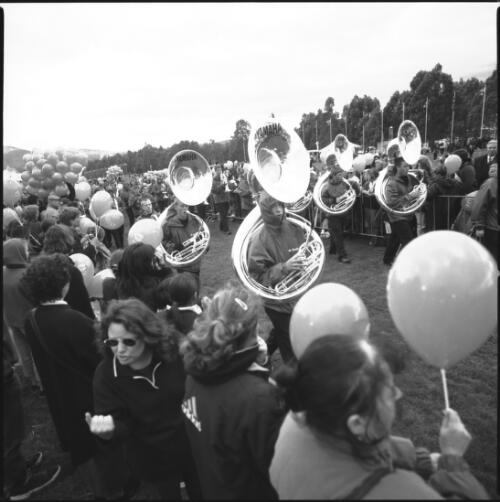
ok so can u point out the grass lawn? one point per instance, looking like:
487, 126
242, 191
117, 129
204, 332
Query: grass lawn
472, 384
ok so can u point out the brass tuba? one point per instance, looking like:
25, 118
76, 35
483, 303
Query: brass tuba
190, 179
301, 204
406, 145
342, 206
280, 163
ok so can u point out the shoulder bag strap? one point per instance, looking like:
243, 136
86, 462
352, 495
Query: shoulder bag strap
36, 330
367, 484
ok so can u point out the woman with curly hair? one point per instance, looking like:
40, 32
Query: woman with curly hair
62, 343
232, 412
138, 390
58, 239
138, 276
336, 441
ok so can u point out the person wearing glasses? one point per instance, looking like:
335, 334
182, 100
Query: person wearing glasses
138, 391
336, 441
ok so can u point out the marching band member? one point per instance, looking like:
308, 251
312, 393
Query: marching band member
333, 193
220, 192
271, 256
179, 226
399, 192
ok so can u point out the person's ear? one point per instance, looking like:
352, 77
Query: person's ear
357, 425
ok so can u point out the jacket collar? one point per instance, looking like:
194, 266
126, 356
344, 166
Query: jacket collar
127, 371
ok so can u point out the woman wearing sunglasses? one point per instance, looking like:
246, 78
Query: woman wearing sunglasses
138, 390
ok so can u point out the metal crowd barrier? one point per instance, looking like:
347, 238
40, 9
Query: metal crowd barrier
375, 226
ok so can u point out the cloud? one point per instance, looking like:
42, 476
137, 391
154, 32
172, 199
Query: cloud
116, 75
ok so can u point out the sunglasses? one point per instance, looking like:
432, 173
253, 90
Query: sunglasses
113, 342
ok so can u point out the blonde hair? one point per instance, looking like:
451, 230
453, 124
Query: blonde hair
223, 328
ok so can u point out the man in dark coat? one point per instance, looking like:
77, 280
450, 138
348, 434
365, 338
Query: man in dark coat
482, 164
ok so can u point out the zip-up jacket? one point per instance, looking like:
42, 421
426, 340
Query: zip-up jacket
145, 404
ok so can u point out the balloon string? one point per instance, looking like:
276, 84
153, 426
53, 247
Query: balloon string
445, 389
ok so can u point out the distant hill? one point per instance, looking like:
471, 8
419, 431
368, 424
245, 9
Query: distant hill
13, 156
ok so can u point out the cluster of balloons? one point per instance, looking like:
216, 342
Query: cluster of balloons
102, 211
47, 172
114, 171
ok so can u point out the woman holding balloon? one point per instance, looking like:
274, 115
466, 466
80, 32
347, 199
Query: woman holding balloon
336, 441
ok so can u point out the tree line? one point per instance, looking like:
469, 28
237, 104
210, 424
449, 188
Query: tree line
361, 121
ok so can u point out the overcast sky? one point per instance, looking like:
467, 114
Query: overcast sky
115, 76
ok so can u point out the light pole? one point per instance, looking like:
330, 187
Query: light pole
382, 130
482, 113
403, 112
426, 107
317, 143
452, 117
330, 122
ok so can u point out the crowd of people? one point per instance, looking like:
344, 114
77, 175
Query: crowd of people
163, 386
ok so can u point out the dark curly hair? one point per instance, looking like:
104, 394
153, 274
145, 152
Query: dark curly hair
336, 377
46, 277
137, 318
222, 329
58, 239
67, 215
135, 276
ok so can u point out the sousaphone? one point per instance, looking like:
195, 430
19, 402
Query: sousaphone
190, 179
280, 163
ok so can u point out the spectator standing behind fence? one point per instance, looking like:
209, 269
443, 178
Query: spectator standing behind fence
483, 162
484, 215
232, 412
336, 441
441, 211
220, 192
138, 391
466, 172
425, 173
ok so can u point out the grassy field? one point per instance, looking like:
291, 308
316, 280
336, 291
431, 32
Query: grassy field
472, 383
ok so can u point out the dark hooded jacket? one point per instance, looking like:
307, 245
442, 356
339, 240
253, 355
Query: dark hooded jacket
66, 358
176, 231
146, 408
442, 211
277, 241
16, 304
232, 416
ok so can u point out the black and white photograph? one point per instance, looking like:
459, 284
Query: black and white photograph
250, 251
